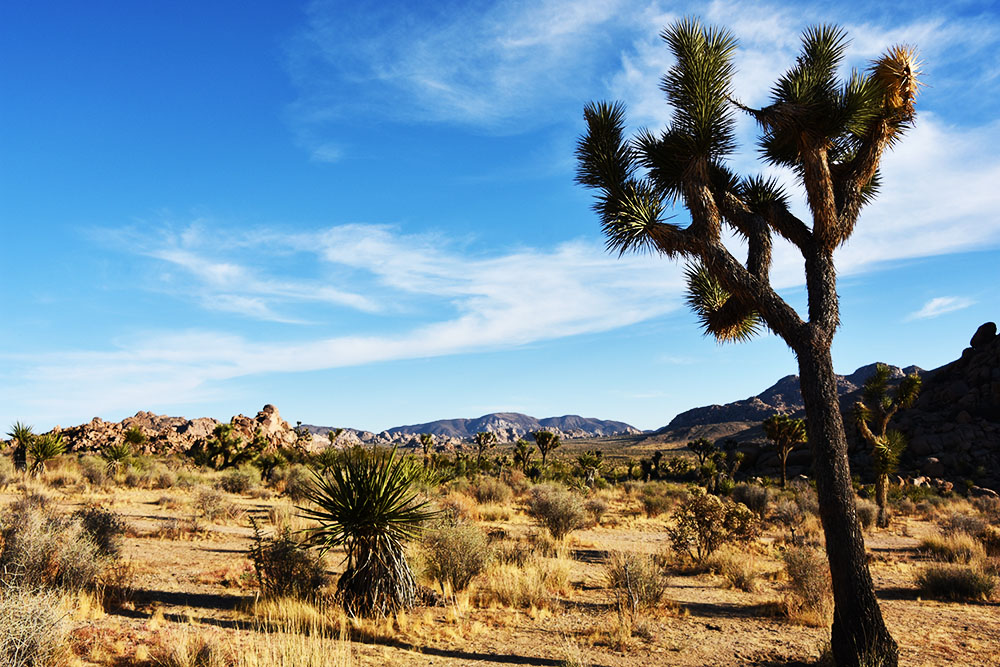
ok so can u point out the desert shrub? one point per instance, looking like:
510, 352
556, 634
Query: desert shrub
635, 579
7, 474
556, 509
953, 548
284, 567
192, 650
956, 522
679, 468
454, 553
660, 497
490, 490
867, 513
32, 630
906, 507
956, 582
41, 550
495, 512
596, 507
739, 569
754, 496
514, 552
160, 476
93, 470
213, 505
516, 480
457, 506
810, 599
989, 506
805, 496
705, 522
105, 528
240, 480
295, 481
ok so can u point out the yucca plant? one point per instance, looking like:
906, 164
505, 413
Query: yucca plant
43, 449
367, 504
116, 456
22, 435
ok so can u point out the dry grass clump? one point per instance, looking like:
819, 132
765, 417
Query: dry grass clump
958, 522
459, 507
558, 510
953, 548
32, 629
285, 567
955, 581
294, 481
635, 580
214, 506
659, 497
810, 598
738, 568
524, 587
7, 473
596, 507
93, 469
454, 553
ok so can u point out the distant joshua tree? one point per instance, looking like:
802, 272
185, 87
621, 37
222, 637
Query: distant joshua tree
427, 443
785, 432
484, 441
546, 441
872, 414
523, 453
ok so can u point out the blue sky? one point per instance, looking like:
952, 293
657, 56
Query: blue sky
364, 212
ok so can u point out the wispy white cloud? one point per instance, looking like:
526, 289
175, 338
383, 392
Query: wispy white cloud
939, 306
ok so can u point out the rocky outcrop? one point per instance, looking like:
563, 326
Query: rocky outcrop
166, 435
954, 427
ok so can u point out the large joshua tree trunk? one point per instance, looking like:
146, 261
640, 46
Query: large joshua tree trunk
859, 636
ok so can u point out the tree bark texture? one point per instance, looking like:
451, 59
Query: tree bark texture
859, 637
882, 499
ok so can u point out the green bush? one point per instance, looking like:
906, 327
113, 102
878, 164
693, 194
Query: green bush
454, 553
296, 481
660, 497
556, 509
956, 582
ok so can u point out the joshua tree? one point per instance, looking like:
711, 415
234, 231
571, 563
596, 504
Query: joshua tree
831, 134
484, 441
590, 463
367, 505
877, 408
427, 443
523, 453
21, 435
43, 449
333, 435
546, 441
224, 449
785, 433
703, 448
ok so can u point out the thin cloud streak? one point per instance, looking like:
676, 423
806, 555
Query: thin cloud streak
939, 306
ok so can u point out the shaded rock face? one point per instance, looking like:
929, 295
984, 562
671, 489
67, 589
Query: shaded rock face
166, 435
955, 423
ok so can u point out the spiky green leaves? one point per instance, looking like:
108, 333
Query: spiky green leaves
720, 314
43, 449
699, 86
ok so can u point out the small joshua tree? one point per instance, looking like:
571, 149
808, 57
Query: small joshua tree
590, 463
484, 441
224, 449
523, 453
872, 414
368, 505
21, 435
427, 443
785, 432
546, 441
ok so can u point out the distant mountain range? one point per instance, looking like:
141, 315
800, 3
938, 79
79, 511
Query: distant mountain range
508, 426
